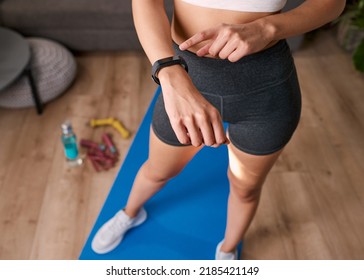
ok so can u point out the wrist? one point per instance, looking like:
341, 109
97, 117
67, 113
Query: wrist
176, 81
172, 75
269, 28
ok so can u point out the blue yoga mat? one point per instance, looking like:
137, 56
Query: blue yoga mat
186, 219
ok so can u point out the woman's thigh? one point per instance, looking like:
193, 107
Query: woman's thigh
247, 170
165, 160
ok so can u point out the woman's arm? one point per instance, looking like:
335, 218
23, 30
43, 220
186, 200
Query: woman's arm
311, 14
235, 41
194, 120
153, 29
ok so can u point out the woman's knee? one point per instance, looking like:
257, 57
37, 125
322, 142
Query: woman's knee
157, 175
247, 187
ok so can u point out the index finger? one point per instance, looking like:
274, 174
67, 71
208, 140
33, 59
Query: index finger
197, 38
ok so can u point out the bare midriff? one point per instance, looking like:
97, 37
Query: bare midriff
190, 19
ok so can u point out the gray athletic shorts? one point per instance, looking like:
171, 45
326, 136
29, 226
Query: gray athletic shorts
258, 97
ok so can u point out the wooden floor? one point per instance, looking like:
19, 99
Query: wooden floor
312, 205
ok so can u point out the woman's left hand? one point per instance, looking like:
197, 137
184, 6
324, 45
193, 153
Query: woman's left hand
231, 41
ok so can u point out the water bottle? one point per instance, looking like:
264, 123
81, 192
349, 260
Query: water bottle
69, 141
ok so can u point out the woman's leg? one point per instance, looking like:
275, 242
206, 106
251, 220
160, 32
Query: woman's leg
246, 174
164, 162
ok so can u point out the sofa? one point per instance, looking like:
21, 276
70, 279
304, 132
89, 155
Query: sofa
81, 25
84, 25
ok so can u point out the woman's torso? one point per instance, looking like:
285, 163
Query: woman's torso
190, 19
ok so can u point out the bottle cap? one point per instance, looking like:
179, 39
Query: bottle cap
66, 127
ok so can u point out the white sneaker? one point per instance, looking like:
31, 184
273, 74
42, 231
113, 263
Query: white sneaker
109, 236
225, 256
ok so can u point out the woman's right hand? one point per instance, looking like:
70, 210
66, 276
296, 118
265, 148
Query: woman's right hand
194, 120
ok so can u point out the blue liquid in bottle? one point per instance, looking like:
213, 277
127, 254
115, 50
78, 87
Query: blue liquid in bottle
70, 147
69, 141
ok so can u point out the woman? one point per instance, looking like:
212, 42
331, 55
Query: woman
218, 61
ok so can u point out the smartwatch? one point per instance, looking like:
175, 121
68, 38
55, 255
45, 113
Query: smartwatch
165, 62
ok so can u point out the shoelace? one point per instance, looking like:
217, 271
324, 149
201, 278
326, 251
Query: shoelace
117, 225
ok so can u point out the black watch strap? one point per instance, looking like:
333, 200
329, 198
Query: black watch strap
165, 62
